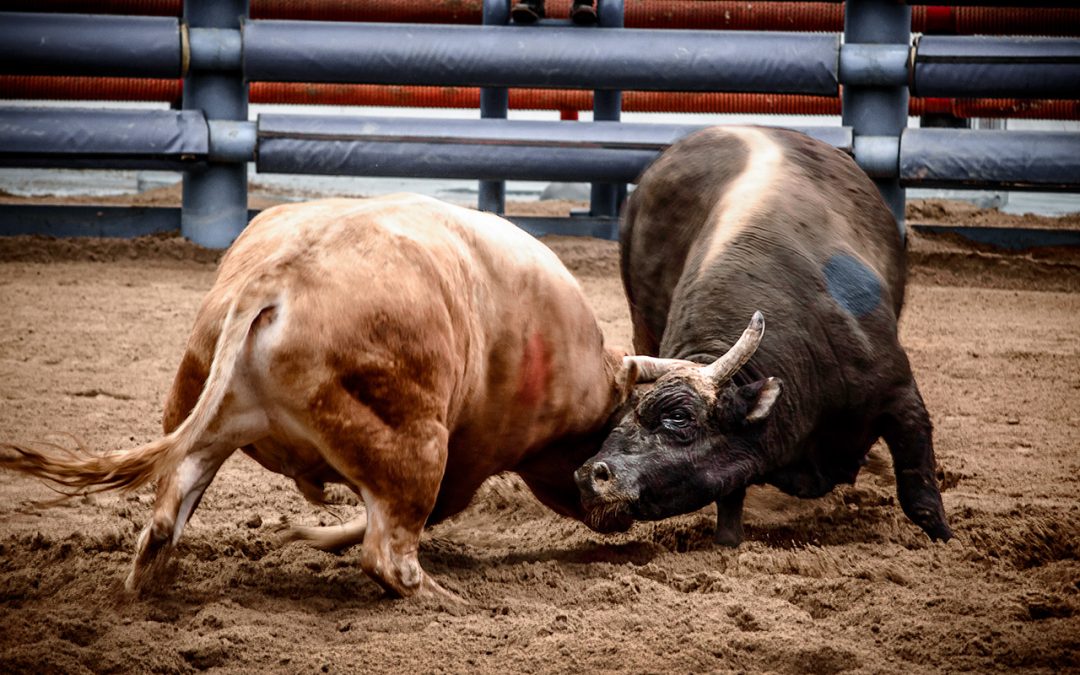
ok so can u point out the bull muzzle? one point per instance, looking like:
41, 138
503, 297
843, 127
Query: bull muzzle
594, 480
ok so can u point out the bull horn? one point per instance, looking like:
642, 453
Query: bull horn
723, 368
650, 369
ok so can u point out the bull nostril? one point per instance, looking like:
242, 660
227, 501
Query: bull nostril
601, 472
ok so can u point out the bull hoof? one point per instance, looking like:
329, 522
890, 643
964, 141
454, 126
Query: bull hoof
729, 537
526, 13
584, 15
940, 532
435, 591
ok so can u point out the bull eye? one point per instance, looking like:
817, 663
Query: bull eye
676, 420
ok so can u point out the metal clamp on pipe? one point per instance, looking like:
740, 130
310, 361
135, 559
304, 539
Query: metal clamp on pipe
875, 65
232, 141
213, 49
878, 156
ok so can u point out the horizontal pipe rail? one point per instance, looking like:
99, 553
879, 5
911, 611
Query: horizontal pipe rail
609, 135
423, 54
63, 88
822, 17
135, 221
74, 138
1015, 160
996, 66
498, 56
492, 149
69, 44
62, 220
488, 149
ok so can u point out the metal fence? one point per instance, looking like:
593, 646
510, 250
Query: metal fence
217, 50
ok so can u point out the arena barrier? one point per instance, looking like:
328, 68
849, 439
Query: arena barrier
217, 50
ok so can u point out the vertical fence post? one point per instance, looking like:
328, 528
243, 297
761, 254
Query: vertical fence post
215, 197
494, 104
878, 111
607, 107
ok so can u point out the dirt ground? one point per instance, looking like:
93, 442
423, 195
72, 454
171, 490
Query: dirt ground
91, 332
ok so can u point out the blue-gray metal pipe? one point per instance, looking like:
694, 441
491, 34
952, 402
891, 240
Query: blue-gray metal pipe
215, 196
80, 44
232, 141
604, 198
483, 133
974, 66
878, 156
490, 149
874, 64
1014, 160
494, 104
119, 139
877, 110
215, 48
514, 56
446, 160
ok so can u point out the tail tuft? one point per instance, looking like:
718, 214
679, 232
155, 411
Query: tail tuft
78, 472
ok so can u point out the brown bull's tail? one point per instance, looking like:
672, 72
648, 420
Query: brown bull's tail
82, 472
78, 472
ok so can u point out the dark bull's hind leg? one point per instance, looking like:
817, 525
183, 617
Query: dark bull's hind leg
729, 512
907, 430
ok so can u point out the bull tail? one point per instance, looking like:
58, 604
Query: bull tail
81, 472
78, 472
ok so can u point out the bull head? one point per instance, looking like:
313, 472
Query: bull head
689, 440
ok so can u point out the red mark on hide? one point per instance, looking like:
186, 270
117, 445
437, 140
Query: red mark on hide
535, 371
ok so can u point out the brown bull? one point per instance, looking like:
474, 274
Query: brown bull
407, 348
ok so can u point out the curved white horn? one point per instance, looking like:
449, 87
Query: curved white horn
650, 368
723, 368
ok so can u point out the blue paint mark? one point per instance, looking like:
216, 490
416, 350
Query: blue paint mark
852, 284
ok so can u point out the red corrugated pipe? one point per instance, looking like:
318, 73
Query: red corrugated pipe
537, 99
133, 89
702, 14
48, 87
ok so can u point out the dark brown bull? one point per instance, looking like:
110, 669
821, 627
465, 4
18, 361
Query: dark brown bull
725, 223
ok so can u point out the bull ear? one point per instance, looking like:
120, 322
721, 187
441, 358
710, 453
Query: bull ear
760, 397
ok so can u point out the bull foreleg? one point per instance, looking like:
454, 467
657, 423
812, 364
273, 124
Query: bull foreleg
729, 515
397, 513
907, 430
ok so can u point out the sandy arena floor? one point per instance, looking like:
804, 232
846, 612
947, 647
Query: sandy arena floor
91, 332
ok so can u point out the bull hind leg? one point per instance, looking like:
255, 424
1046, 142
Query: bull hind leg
398, 470
178, 494
907, 431
329, 538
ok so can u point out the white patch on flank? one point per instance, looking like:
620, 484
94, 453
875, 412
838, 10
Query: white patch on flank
745, 194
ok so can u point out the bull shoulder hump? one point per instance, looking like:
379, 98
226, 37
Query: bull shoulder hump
746, 194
